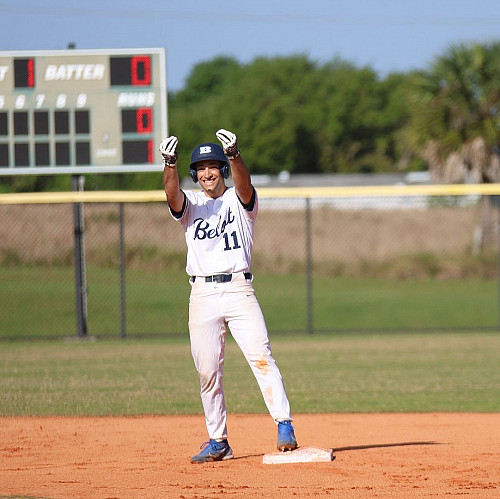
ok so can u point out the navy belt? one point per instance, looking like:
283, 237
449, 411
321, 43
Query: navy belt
222, 277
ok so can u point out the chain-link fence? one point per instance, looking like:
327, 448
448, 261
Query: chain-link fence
341, 263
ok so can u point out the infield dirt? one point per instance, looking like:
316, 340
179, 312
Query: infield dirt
376, 455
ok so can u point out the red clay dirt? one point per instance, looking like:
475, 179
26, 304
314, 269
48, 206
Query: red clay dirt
376, 455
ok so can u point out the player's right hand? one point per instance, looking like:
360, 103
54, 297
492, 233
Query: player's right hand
168, 149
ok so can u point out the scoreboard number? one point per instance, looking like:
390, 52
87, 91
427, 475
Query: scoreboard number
82, 111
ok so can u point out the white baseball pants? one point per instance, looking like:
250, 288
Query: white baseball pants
211, 306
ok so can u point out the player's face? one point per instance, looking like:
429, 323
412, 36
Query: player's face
210, 177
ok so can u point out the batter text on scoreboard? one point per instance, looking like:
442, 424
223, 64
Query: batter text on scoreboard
80, 109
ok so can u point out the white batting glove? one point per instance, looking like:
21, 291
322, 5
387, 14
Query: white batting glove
168, 149
229, 143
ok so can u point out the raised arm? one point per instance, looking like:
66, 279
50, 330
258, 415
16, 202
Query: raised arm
175, 197
239, 171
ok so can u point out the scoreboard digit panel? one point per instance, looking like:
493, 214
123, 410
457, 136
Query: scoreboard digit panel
82, 111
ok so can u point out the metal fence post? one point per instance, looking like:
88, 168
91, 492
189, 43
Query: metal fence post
496, 202
123, 316
309, 279
78, 182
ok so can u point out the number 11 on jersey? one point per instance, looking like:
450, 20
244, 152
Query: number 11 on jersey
235, 243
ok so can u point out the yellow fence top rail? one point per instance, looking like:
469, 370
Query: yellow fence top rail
264, 192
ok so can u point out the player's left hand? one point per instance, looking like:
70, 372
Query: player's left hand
229, 143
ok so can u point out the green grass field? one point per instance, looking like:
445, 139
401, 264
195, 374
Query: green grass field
329, 371
40, 302
418, 372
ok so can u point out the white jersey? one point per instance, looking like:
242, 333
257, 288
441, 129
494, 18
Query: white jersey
219, 233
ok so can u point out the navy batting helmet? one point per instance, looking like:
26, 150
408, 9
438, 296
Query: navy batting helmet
207, 150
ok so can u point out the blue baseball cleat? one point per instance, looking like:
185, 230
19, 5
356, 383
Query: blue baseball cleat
213, 451
286, 436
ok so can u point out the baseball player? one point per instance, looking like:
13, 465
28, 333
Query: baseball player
219, 225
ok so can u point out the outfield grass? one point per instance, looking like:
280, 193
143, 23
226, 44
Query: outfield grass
323, 373
40, 302
344, 303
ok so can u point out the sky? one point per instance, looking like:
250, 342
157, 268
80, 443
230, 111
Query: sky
387, 35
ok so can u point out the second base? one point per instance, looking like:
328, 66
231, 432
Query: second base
301, 455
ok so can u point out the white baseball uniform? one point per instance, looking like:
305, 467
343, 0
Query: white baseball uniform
219, 236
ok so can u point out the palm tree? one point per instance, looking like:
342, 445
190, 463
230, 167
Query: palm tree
456, 121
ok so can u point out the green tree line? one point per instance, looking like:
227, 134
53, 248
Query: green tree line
295, 114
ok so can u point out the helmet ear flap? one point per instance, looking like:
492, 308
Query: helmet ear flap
193, 174
224, 170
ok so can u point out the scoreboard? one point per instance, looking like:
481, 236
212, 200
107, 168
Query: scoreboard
82, 111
